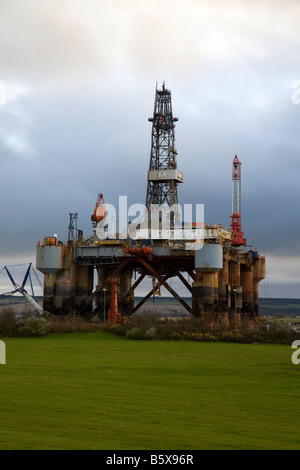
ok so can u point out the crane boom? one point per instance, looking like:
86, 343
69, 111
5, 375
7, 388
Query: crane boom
236, 226
236, 186
33, 303
21, 289
100, 210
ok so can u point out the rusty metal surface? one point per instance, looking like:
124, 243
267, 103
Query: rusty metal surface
49, 258
209, 258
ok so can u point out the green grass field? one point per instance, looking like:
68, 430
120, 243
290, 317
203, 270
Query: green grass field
100, 391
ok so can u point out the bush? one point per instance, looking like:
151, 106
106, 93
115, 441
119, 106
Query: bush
151, 333
71, 325
197, 329
8, 322
34, 327
134, 333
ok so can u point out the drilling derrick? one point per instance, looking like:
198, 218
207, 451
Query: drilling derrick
163, 176
236, 226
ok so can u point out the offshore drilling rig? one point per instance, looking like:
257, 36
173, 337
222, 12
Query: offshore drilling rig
81, 275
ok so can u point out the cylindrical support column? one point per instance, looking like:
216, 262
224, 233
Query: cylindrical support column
63, 301
223, 284
197, 295
255, 300
258, 275
247, 285
205, 294
48, 301
83, 287
235, 291
210, 292
126, 302
236, 306
239, 302
208, 263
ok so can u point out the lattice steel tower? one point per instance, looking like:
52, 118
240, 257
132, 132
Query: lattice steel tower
163, 176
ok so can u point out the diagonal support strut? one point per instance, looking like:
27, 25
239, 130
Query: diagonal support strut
183, 280
165, 284
107, 280
144, 299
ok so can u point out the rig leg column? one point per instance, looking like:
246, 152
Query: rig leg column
63, 303
126, 304
224, 302
210, 293
247, 285
258, 275
205, 294
223, 287
48, 303
197, 295
83, 287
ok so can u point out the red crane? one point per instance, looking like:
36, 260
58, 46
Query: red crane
236, 226
100, 210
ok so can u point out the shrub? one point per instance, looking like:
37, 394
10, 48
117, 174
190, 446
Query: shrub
197, 329
34, 327
151, 333
8, 322
134, 333
61, 325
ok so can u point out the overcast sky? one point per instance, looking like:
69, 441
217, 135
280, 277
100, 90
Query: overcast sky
77, 85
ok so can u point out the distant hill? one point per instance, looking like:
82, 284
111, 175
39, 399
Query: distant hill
267, 307
18, 299
275, 306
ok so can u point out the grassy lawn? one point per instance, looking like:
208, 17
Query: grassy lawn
99, 391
